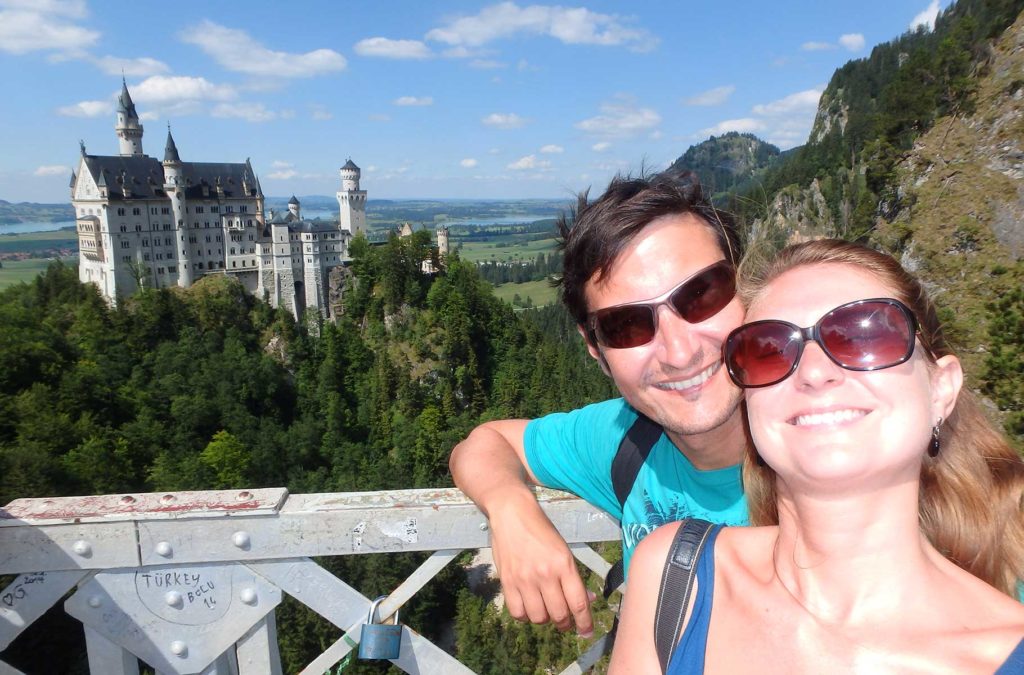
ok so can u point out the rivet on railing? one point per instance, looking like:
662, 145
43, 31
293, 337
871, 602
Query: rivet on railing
241, 540
483, 527
248, 596
164, 549
168, 499
174, 599
127, 499
95, 601
82, 548
244, 496
179, 648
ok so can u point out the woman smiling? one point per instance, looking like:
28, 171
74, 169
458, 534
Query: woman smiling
891, 533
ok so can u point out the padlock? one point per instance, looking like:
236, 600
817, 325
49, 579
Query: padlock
379, 641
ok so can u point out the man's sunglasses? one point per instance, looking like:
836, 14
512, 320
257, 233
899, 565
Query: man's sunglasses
860, 335
634, 324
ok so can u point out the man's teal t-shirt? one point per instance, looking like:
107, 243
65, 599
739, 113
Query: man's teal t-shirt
574, 451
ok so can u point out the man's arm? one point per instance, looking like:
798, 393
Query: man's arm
537, 569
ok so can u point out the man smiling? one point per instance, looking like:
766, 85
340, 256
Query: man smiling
648, 275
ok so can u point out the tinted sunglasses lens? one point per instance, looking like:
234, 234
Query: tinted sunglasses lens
760, 354
868, 336
706, 294
626, 326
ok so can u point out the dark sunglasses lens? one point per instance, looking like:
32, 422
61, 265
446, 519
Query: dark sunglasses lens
706, 294
760, 354
868, 336
626, 326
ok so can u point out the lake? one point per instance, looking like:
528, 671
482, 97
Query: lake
21, 228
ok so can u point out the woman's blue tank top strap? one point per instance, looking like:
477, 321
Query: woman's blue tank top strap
688, 657
1015, 664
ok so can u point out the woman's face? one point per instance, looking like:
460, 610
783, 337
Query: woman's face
827, 429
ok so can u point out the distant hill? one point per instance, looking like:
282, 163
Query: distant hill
27, 212
728, 162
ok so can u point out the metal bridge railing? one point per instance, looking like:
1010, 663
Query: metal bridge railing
187, 582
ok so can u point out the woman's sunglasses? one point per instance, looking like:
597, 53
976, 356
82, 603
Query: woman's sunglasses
861, 335
635, 324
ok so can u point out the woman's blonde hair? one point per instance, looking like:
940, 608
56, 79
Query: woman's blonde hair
972, 493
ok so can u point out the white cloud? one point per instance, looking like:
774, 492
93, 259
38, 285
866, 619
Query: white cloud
552, 149
87, 109
817, 46
139, 67
621, 119
392, 49
468, 163
284, 174
853, 42
802, 101
528, 162
27, 26
784, 122
164, 90
742, 125
570, 25
926, 17
279, 164
486, 64
716, 96
236, 50
52, 170
503, 121
600, 147
251, 112
378, 117
319, 112
414, 100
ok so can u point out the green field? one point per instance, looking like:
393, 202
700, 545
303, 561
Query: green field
38, 241
16, 271
505, 249
541, 292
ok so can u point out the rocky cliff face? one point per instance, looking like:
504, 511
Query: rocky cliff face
961, 223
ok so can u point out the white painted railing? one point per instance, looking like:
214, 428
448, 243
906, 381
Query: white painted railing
187, 582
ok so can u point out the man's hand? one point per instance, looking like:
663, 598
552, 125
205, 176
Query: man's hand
538, 571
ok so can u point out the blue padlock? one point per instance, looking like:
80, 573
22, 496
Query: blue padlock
380, 641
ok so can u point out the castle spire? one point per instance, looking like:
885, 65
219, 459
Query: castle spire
171, 150
128, 127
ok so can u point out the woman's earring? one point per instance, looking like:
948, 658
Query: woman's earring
935, 447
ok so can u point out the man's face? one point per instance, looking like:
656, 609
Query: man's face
677, 379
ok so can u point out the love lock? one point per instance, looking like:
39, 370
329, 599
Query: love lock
379, 641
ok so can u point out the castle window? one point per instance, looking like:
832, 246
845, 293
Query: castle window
126, 258
152, 210
138, 228
243, 208
145, 256
207, 239
145, 242
199, 209
120, 212
164, 210
214, 209
124, 228
136, 211
218, 237
200, 265
232, 250
125, 243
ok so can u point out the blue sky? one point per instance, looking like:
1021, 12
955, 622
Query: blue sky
446, 99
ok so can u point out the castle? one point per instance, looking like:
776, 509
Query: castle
146, 223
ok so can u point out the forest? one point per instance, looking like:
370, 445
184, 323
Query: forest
210, 388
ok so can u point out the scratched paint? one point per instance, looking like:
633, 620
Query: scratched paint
404, 530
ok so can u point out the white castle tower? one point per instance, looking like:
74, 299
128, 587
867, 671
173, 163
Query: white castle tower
351, 201
174, 187
128, 128
442, 241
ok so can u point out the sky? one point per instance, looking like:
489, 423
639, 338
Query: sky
444, 99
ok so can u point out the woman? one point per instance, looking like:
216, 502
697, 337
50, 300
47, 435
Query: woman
892, 532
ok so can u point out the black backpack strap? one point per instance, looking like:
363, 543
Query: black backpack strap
632, 453
677, 585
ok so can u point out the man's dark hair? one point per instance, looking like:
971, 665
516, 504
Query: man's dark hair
594, 233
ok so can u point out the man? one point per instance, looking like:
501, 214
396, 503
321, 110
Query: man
648, 277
